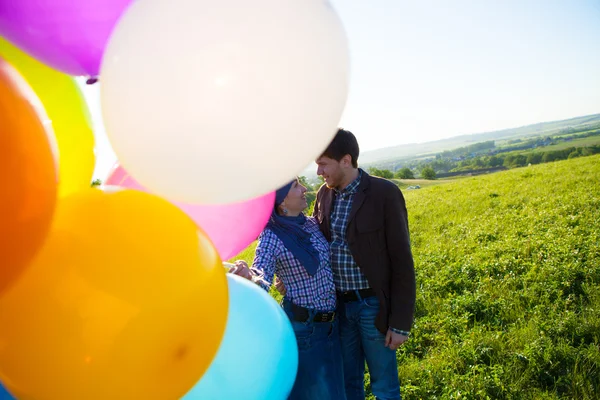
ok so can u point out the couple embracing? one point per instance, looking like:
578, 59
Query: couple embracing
348, 275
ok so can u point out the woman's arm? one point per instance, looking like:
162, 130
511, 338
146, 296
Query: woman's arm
265, 261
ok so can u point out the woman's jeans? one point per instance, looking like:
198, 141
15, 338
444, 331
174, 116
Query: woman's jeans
320, 369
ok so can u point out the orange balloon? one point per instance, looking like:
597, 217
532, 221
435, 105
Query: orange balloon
126, 300
27, 175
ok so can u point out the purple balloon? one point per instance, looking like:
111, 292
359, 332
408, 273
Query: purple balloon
68, 35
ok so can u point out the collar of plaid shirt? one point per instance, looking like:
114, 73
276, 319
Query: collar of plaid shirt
352, 188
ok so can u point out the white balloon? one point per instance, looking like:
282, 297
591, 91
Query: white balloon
210, 101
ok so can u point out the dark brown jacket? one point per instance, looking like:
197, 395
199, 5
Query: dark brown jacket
379, 241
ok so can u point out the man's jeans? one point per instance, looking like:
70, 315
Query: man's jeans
320, 371
361, 342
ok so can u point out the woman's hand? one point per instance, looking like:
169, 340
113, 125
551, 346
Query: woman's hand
241, 269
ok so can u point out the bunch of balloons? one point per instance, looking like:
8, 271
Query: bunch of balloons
118, 292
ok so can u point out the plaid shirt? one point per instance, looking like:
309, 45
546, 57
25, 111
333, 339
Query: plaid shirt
347, 275
272, 257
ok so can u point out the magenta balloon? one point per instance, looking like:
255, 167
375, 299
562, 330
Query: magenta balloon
68, 35
231, 227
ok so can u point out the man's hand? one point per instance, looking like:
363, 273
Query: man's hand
280, 286
241, 269
393, 340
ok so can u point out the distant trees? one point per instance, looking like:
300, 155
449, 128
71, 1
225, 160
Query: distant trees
494, 161
382, 173
549, 156
311, 187
515, 160
428, 173
405, 173
534, 158
304, 182
467, 150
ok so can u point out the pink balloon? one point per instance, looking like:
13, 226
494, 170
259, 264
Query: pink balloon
68, 35
231, 227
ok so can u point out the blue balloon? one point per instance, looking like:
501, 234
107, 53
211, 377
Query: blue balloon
4, 395
258, 357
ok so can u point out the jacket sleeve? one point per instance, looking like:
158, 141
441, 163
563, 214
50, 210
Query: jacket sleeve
402, 285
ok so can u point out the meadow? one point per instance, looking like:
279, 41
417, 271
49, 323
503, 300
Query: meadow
508, 285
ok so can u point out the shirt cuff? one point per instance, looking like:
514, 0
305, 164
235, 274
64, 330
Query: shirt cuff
257, 277
401, 332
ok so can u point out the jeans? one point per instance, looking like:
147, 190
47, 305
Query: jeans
320, 371
361, 342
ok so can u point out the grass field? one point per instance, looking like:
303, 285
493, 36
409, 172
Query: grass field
508, 285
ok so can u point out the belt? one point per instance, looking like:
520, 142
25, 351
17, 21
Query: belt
353, 295
302, 314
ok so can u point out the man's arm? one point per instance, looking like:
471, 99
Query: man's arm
402, 285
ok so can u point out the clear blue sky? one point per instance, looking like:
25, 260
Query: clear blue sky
431, 69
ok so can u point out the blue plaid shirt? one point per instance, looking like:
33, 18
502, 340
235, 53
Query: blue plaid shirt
272, 257
347, 275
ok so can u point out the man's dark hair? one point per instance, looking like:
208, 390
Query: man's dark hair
343, 143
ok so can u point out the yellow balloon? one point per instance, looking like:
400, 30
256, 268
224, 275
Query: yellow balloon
68, 112
126, 300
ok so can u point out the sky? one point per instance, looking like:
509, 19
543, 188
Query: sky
433, 69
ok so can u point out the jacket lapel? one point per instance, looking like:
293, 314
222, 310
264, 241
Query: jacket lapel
360, 196
327, 206
324, 216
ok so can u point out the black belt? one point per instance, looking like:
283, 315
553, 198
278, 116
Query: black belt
302, 314
353, 295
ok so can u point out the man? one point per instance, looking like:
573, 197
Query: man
365, 220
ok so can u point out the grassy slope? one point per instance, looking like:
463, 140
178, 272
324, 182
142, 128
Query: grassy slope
508, 270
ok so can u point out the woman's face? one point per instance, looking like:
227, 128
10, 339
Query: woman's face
295, 201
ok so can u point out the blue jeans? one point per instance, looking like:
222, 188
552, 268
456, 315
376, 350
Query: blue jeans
320, 370
361, 342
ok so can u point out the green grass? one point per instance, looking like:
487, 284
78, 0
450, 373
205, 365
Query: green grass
508, 273
508, 285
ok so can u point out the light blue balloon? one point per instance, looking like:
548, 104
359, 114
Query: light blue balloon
4, 395
258, 357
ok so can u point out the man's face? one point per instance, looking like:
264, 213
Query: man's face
331, 170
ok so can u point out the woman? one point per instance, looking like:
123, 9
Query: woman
293, 247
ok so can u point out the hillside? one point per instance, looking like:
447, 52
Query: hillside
508, 278
508, 268
414, 150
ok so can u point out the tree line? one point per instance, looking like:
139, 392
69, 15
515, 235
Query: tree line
429, 169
